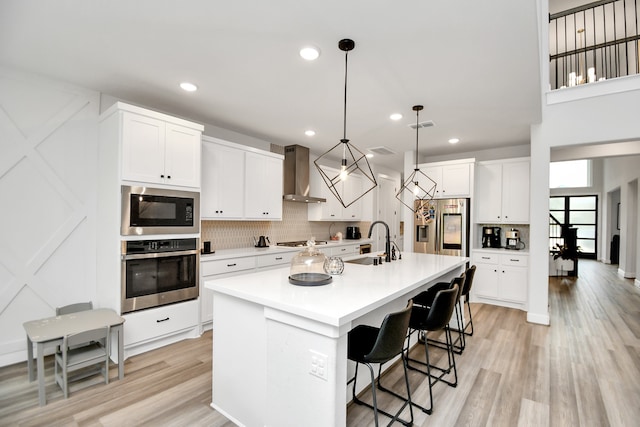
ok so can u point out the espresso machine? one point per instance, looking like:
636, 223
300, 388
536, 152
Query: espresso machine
513, 240
491, 237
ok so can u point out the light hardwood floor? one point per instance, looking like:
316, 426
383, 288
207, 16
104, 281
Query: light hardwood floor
584, 370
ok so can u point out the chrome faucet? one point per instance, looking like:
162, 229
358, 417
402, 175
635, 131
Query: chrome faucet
387, 245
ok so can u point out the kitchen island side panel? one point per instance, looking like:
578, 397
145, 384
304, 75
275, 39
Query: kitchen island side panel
239, 362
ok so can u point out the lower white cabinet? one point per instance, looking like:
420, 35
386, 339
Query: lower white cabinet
274, 260
346, 251
217, 268
154, 324
501, 278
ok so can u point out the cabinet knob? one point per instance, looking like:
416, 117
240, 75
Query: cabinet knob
161, 176
168, 176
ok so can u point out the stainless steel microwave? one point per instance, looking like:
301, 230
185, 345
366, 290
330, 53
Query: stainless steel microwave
148, 211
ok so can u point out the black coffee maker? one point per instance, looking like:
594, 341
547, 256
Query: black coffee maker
491, 237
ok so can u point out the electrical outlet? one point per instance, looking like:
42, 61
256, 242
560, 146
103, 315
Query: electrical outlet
319, 365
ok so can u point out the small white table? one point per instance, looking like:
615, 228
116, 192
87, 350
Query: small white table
50, 332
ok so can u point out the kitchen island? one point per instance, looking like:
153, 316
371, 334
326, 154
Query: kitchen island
280, 351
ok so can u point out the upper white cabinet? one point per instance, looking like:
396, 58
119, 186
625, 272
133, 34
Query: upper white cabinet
263, 192
332, 209
453, 179
159, 149
239, 182
502, 192
222, 181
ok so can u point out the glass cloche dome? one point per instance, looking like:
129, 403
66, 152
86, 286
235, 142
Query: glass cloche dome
307, 267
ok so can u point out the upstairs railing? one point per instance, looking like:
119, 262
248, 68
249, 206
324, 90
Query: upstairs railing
555, 233
594, 42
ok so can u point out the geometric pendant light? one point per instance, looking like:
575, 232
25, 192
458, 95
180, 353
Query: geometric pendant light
353, 160
418, 186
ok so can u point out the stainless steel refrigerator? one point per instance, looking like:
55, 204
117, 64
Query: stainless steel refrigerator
442, 227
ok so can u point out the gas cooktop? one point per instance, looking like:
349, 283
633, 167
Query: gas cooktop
301, 243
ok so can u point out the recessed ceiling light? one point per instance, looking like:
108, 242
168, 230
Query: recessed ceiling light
369, 155
454, 141
189, 87
310, 53
395, 116
309, 132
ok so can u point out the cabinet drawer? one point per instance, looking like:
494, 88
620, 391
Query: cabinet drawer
223, 266
156, 322
514, 260
345, 250
274, 259
485, 258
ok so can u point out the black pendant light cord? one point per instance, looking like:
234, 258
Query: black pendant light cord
417, 109
344, 117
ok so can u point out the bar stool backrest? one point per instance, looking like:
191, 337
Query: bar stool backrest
468, 281
391, 336
442, 309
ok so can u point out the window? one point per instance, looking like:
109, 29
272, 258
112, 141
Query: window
570, 174
580, 212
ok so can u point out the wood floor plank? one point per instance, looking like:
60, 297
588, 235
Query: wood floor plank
582, 370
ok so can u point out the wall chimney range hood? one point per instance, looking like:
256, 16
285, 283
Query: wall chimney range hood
296, 175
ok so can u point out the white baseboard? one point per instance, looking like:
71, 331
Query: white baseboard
626, 274
538, 318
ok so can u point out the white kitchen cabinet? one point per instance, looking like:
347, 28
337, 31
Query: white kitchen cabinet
222, 181
353, 189
240, 183
214, 269
453, 179
157, 324
502, 192
275, 260
332, 209
136, 147
156, 150
263, 190
501, 278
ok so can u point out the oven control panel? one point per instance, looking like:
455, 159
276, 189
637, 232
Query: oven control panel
158, 246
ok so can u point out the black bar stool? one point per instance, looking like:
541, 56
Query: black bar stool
368, 344
468, 282
435, 318
425, 299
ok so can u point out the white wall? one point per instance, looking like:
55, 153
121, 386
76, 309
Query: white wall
48, 141
596, 113
623, 173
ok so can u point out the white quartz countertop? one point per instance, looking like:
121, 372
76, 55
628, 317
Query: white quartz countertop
252, 251
359, 290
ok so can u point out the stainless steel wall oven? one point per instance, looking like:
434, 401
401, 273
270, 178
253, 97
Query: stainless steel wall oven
147, 210
159, 272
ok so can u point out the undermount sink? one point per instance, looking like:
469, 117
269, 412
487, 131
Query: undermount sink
364, 260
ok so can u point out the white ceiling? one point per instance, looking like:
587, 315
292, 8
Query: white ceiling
474, 65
